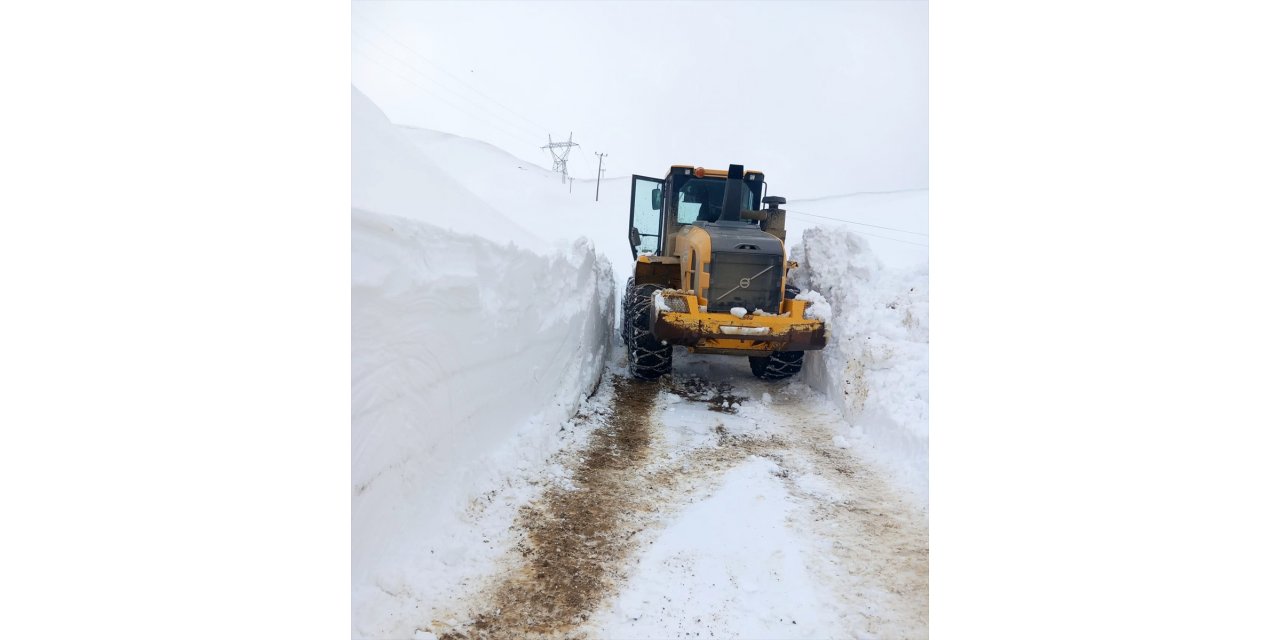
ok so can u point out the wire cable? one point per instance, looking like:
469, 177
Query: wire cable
585, 158
873, 235
540, 127
439, 98
863, 193
865, 224
506, 122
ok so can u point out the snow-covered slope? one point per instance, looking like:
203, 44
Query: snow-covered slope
472, 340
391, 175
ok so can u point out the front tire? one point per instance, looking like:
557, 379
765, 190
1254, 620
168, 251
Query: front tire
624, 319
647, 357
778, 365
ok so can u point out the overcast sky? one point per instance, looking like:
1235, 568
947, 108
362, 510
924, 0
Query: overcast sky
825, 98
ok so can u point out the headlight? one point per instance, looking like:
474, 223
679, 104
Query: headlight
676, 303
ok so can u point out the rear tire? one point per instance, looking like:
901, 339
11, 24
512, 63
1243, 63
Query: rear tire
647, 357
778, 365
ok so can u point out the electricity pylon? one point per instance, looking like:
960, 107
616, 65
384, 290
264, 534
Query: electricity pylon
560, 161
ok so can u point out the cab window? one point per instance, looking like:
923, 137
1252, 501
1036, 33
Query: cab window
702, 199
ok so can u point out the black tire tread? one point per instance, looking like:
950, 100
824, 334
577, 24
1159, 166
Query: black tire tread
778, 365
647, 357
624, 321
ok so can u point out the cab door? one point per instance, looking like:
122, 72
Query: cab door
646, 215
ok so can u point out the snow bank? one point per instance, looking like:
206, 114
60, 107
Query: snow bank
876, 364
546, 208
467, 353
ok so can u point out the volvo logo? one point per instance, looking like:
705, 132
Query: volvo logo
744, 283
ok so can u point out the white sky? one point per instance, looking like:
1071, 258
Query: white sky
825, 98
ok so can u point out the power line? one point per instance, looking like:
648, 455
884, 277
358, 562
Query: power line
865, 224
439, 98
541, 128
497, 125
500, 119
863, 193
863, 232
583, 154
421, 88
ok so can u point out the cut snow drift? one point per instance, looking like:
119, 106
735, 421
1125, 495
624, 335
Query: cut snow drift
876, 363
464, 362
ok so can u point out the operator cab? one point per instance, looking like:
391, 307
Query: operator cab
698, 199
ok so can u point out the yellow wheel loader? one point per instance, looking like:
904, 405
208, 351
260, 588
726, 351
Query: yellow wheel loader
711, 274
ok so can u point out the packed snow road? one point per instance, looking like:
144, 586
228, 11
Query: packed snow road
709, 505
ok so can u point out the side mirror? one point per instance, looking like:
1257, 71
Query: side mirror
635, 237
656, 197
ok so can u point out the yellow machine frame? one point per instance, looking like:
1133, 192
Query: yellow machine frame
685, 321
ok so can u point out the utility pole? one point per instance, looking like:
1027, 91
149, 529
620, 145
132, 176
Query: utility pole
570, 184
599, 170
560, 161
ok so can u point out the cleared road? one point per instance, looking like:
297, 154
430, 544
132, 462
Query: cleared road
708, 505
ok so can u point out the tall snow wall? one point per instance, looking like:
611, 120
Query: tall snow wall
876, 363
471, 342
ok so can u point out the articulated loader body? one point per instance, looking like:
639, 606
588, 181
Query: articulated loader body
711, 274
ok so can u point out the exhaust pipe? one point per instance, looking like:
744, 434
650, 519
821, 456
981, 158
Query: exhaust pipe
731, 210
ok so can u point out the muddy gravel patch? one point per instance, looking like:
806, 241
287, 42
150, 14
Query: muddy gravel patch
720, 396
573, 536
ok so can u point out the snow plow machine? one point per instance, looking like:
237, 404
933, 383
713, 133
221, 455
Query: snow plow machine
711, 275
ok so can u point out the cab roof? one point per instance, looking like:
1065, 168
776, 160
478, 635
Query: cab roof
714, 173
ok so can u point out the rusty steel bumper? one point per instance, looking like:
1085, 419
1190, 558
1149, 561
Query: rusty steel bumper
681, 322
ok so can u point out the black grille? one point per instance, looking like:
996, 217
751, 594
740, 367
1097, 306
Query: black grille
730, 269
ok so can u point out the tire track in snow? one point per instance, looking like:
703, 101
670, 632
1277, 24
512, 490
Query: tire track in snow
573, 536
576, 544
882, 547
865, 547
